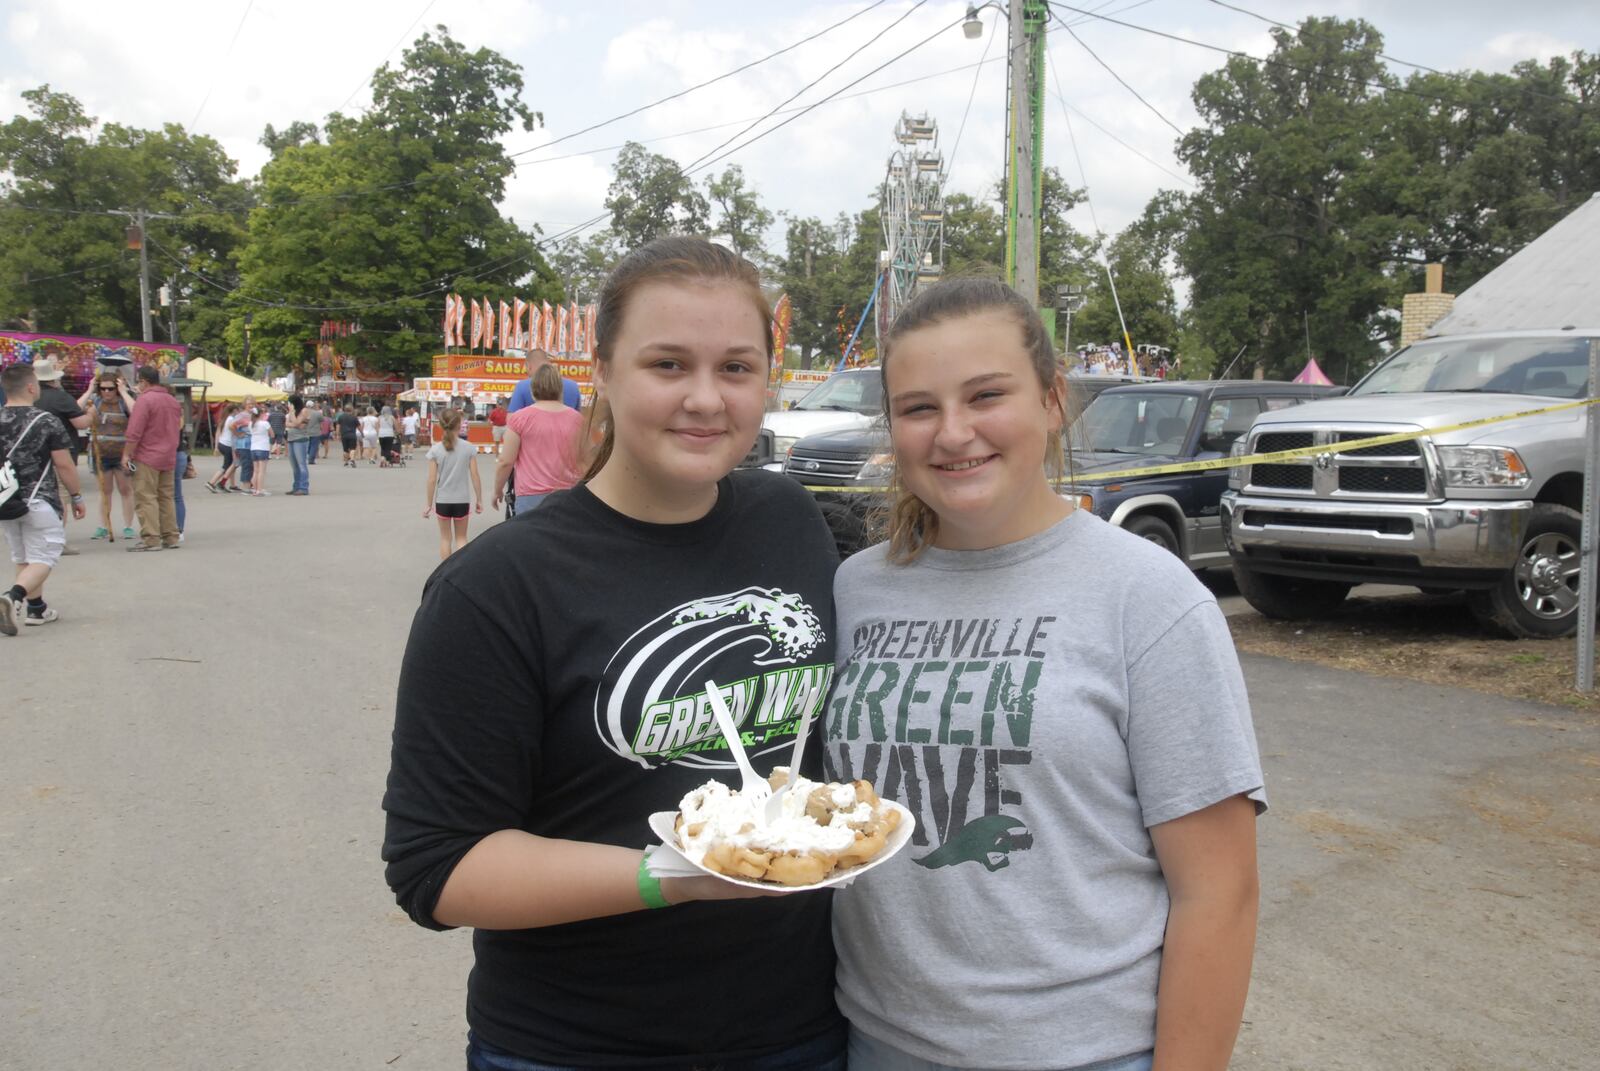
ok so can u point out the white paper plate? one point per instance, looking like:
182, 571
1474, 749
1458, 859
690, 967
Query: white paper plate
661, 824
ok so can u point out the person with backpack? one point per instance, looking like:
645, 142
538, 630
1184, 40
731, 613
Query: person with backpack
35, 461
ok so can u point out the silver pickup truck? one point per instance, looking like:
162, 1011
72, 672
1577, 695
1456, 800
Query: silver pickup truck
1493, 510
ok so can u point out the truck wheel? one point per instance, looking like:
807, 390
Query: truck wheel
1146, 526
1538, 598
1288, 598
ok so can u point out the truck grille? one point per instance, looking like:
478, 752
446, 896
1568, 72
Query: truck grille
1390, 471
1383, 481
824, 468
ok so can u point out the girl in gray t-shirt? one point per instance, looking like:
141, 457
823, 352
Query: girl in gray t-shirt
452, 484
1059, 704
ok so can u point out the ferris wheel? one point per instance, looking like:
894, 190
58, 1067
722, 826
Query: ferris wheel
912, 209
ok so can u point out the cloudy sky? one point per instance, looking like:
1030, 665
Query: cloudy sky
229, 67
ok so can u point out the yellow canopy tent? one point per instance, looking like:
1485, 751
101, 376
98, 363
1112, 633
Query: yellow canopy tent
229, 386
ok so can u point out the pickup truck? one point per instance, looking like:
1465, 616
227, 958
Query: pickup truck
1156, 424
849, 399
1493, 510
857, 456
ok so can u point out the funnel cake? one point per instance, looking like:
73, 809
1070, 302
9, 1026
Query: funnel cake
824, 828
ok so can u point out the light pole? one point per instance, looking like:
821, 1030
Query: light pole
1069, 299
1024, 136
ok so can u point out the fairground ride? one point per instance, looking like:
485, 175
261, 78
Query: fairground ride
912, 210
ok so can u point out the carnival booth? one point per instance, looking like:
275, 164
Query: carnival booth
495, 361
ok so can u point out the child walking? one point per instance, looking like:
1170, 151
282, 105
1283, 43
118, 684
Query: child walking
452, 469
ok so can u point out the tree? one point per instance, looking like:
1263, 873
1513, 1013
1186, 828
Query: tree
1142, 286
1281, 231
67, 265
375, 223
650, 197
739, 213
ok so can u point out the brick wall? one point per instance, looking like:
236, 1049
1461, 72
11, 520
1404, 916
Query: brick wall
1419, 312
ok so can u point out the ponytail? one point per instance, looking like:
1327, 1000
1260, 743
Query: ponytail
450, 422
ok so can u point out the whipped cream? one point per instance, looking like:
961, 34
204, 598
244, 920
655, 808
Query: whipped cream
726, 816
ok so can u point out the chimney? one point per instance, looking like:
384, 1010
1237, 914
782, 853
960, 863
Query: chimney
1435, 284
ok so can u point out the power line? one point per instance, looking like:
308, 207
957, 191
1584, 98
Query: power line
226, 53
1140, 97
994, 31
1468, 76
868, 43
593, 126
80, 271
1062, 100
1267, 61
368, 80
812, 107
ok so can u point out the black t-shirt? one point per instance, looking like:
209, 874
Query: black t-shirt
553, 683
66, 409
348, 424
28, 439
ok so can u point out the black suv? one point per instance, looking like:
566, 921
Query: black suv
1158, 424
859, 458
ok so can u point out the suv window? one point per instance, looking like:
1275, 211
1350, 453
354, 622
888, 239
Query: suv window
1136, 423
854, 392
1226, 420
1554, 367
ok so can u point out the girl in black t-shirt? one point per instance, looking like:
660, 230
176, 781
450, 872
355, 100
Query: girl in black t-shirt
553, 696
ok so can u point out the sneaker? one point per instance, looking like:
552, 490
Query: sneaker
101, 533
42, 617
10, 610
128, 533
140, 547
180, 537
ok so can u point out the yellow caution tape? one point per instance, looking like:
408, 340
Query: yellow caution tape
1277, 455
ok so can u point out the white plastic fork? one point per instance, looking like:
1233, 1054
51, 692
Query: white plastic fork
774, 809
755, 787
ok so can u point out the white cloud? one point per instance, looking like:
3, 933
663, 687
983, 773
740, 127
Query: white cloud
22, 27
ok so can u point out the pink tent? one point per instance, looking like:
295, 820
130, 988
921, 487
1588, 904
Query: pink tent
1312, 373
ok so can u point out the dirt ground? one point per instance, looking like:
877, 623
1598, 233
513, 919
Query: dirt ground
1425, 638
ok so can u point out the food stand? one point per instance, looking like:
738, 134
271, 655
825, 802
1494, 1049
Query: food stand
475, 383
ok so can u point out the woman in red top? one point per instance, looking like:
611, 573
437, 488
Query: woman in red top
541, 445
497, 424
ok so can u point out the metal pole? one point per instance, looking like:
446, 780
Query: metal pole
1020, 161
1591, 511
144, 278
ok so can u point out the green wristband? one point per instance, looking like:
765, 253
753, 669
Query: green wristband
650, 887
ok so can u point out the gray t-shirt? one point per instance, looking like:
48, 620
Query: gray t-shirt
1037, 706
455, 475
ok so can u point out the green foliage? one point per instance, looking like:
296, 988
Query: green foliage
67, 266
390, 212
739, 213
1323, 183
650, 197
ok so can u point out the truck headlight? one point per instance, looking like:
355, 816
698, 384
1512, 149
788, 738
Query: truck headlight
1238, 475
781, 445
1482, 466
879, 469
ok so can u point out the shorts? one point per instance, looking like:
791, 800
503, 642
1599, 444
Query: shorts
349, 443
226, 454
39, 537
109, 462
261, 455
498, 431
411, 439
453, 510
369, 441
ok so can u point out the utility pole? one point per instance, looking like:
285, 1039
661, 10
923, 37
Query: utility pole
1025, 138
144, 277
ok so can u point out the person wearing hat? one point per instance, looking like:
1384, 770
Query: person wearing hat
58, 403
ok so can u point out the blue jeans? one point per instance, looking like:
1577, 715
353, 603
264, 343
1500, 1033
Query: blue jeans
521, 504
247, 466
825, 1053
298, 450
867, 1053
177, 486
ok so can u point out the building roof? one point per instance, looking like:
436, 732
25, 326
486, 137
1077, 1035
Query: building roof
1553, 282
